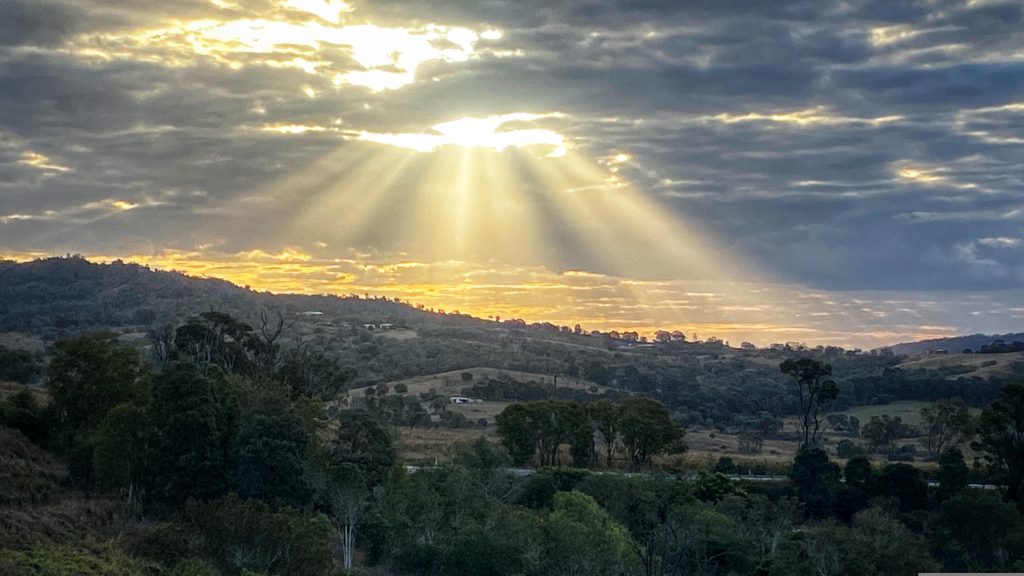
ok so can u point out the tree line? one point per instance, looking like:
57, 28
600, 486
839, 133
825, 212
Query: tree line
639, 428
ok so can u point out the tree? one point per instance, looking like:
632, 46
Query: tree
21, 412
248, 537
220, 339
858, 473
120, 445
904, 483
814, 386
350, 498
581, 538
979, 532
314, 374
363, 441
761, 522
161, 338
1001, 437
540, 428
517, 433
953, 473
18, 366
726, 466
580, 434
647, 429
195, 415
816, 480
947, 423
604, 416
852, 497
552, 423
878, 545
88, 376
882, 432
272, 444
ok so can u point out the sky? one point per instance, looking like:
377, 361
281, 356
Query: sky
828, 172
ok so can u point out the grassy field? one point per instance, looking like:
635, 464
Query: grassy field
427, 446
909, 411
19, 341
451, 383
980, 365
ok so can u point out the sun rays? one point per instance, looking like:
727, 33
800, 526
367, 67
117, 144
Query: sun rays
509, 192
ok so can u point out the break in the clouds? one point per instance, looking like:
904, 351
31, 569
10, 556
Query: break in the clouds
584, 159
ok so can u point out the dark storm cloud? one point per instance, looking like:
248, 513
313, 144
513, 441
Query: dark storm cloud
845, 145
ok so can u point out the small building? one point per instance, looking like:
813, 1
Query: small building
464, 400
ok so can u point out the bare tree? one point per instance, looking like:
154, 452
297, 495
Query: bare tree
162, 339
270, 329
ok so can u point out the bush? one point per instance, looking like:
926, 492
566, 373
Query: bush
246, 534
21, 412
18, 366
725, 465
194, 567
66, 560
847, 449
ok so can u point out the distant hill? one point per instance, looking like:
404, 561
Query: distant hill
55, 297
953, 345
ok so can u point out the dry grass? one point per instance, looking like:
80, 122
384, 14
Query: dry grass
981, 365
20, 341
434, 445
711, 444
400, 334
451, 383
28, 474
10, 388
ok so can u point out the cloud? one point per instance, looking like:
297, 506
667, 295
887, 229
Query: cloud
842, 146
478, 133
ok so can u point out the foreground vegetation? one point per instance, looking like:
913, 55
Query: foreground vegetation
223, 460
251, 439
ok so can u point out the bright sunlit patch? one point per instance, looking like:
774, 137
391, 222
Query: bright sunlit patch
478, 133
329, 10
123, 205
391, 56
388, 57
1001, 242
41, 162
817, 116
885, 35
292, 128
922, 175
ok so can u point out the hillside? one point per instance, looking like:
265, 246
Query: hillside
377, 341
59, 296
953, 345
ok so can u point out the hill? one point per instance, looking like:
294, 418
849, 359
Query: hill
379, 341
953, 345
